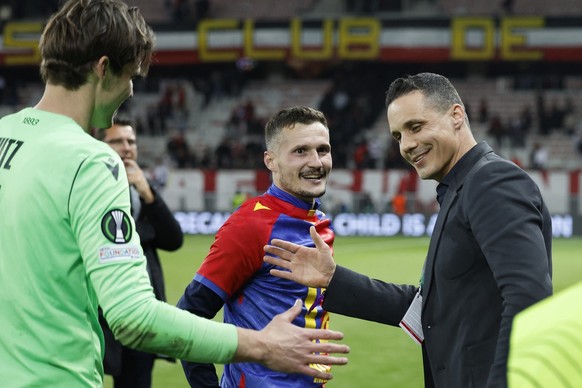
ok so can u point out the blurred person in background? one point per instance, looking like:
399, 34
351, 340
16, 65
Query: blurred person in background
239, 197
233, 273
157, 229
68, 243
489, 256
538, 158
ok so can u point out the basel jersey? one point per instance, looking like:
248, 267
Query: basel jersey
234, 269
67, 243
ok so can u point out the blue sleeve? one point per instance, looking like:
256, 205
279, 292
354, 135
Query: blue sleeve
202, 301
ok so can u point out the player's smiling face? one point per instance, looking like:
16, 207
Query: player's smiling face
301, 161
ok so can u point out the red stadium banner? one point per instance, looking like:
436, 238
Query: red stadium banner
202, 209
191, 189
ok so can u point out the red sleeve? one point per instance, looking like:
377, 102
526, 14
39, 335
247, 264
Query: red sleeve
237, 251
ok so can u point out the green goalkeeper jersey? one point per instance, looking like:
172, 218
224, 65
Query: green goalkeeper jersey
546, 343
67, 244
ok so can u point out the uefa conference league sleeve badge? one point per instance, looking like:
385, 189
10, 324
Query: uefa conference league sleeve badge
116, 226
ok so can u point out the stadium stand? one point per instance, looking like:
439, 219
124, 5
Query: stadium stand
506, 102
202, 111
155, 11
205, 127
159, 11
514, 7
260, 9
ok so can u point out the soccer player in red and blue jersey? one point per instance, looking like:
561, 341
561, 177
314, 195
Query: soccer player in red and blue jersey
234, 275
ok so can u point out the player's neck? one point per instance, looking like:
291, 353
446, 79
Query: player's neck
76, 104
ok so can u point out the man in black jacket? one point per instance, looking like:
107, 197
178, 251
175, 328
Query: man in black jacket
157, 229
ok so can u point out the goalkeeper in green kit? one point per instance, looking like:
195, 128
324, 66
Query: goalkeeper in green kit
68, 242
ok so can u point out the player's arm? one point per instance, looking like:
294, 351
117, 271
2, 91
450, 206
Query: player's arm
99, 216
229, 265
202, 301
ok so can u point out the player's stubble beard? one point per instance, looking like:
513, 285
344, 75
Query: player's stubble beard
310, 195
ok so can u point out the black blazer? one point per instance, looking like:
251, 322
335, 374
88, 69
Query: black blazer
489, 258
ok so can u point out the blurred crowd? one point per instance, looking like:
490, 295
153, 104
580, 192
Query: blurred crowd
353, 102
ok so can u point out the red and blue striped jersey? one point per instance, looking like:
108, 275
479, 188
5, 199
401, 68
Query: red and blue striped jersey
234, 270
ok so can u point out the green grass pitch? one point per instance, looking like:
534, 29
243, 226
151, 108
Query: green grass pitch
381, 356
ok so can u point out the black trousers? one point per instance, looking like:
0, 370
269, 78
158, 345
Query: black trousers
136, 369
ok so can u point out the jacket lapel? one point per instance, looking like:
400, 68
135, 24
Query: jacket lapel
475, 160
435, 240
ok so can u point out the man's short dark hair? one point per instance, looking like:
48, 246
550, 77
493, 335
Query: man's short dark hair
437, 89
287, 118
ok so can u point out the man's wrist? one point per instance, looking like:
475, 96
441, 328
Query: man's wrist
251, 346
328, 280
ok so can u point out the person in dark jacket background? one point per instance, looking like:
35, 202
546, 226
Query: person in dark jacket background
157, 229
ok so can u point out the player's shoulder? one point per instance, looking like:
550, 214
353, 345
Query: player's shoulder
262, 205
255, 210
86, 146
82, 150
